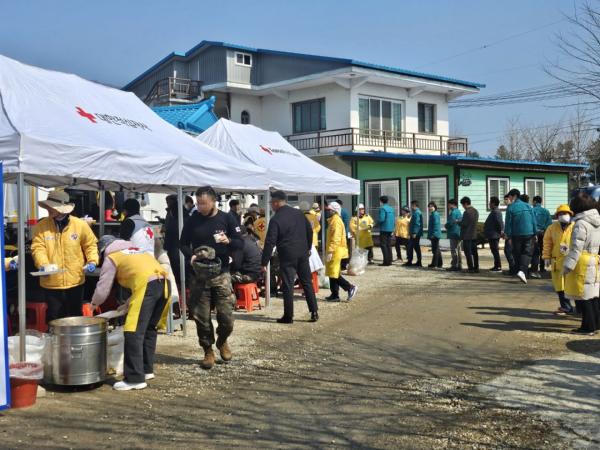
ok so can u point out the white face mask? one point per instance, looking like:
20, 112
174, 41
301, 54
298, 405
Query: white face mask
564, 218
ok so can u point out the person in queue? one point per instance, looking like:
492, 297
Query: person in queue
171, 233
235, 210
135, 228
291, 233
386, 228
313, 219
147, 306
189, 205
401, 231
468, 234
245, 265
208, 239
493, 229
543, 220
337, 249
434, 234
508, 253
361, 227
452, 226
415, 230
63, 242
520, 227
556, 245
582, 262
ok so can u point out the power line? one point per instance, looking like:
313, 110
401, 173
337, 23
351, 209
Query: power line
491, 44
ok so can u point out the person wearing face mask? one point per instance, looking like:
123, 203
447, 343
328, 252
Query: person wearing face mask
360, 227
65, 243
556, 245
434, 234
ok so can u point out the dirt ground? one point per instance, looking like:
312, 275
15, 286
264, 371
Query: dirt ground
404, 365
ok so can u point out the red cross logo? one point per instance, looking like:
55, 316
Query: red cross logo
149, 233
261, 226
85, 114
266, 149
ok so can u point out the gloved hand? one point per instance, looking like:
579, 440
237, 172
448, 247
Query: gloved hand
89, 267
49, 268
13, 264
329, 257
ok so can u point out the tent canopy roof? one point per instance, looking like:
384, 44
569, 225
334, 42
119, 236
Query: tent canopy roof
61, 130
287, 168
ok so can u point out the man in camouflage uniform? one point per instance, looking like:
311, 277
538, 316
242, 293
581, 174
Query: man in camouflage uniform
208, 238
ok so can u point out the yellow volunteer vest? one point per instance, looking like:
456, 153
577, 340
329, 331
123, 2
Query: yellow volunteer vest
260, 228
134, 267
575, 280
558, 280
336, 245
361, 229
315, 224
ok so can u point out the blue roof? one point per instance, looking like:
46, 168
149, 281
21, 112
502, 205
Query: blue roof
350, 62
192, 117
458, 159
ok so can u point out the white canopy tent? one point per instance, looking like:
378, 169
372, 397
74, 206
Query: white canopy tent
59, 130
288, 169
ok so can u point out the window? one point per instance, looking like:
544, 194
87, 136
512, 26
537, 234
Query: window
497, 187
379, 115
245, 119
425, 190
243, 59
309, 116
426, 118
533, 187
374, 190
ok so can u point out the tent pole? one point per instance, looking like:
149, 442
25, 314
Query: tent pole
323, 252
22, 202
268, 273
182, 293
101, 208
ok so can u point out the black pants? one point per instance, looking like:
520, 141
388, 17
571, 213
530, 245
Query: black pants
537, 263
140, 345
63, 302
400, 242
336, 283
345, 261
288, 269
436, 260
471, 254
414, 246
522, 247
565, 303
385, 241
590, 314
508, 254
494, 248
369, 253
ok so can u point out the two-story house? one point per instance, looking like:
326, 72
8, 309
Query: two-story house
386, 126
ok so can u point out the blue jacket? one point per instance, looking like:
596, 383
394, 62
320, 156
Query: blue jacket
434, 228
387, 218
543, 218
453, 224
346, 219
416, 223
519, 220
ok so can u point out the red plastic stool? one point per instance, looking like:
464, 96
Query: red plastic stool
39, 321
315, 282
247, 296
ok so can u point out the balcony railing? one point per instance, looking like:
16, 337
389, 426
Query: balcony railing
355, 139
174, 89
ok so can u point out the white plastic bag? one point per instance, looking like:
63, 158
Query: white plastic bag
35, 347
358, 262
27, 370
115, 351
323, 280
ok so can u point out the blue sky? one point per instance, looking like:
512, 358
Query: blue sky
114, 41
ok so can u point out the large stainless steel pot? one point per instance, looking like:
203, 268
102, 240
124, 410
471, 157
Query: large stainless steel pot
78, 350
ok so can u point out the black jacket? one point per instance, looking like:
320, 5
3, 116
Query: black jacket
247, 260
494, 225
290, 232
468, 224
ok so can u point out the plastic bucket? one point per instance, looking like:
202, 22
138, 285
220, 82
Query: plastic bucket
24, 380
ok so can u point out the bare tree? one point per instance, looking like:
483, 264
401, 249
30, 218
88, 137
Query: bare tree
512, 144
580, 133
541, 142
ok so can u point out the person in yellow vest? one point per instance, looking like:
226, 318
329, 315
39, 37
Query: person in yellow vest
361, 227
260, 227
581, 266
337, 249
66, 244
312, 218
147, 307
401, 231
557, 238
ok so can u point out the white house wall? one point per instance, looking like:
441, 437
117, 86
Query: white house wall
250, 103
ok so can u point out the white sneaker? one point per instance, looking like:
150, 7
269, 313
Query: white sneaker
535, 275
149, 376
125, 386
352, 292
522, 276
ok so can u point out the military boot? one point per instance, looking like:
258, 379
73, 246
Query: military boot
224, 349
209, 358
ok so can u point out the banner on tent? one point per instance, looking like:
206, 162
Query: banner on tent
4, 374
